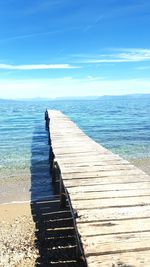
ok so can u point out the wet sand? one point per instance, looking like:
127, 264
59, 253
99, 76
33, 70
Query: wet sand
15, 191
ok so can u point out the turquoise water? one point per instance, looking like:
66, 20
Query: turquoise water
121, 124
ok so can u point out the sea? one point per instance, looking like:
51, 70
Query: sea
119, 123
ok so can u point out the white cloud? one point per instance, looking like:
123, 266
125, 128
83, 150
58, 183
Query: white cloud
121, 55
68, 86
36, 67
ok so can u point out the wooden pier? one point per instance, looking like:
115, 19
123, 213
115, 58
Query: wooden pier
109, 198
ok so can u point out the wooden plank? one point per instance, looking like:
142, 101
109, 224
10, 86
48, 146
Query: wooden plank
100, 168
105, 180
112, 244
83, 156
90, 159
105, 173
112, 202
111, 175
107, 187
126, 259
110, 194
102, 181
114, 227
117, 213
79, 149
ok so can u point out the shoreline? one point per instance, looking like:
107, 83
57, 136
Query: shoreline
19, 192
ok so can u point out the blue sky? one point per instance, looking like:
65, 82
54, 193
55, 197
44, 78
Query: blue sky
53, 48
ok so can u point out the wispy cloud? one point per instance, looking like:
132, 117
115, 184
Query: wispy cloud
124, 55
30, 35
93, 24
42, 33
37, 67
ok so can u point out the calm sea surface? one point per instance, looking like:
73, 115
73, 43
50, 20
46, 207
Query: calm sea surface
121, 124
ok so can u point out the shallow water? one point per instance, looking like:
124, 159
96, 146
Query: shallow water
121, 124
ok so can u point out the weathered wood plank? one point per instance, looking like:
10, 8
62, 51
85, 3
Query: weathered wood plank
92, 160
105, 173
99, 168
105, 179
114, 227
126, 259
93, 182
83, 156
112, 244
113, 213
110, 194
107, 203
107, 187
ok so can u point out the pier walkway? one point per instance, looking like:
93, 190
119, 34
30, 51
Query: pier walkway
108, 196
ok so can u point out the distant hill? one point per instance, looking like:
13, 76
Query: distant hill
40, 99
5, 100
36, 99
126, 96
77, 98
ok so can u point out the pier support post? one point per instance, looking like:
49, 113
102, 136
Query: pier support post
51, 161
63, 200
56, 177
47, 120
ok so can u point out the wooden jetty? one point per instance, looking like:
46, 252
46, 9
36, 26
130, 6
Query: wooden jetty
109, 198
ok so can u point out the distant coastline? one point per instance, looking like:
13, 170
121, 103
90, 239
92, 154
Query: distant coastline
41, 99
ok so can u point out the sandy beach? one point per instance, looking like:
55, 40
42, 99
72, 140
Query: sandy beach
17, 232
143, 164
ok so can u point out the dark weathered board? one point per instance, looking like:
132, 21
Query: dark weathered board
110, 195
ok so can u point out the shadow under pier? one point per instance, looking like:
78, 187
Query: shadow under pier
56, 237
55, 233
